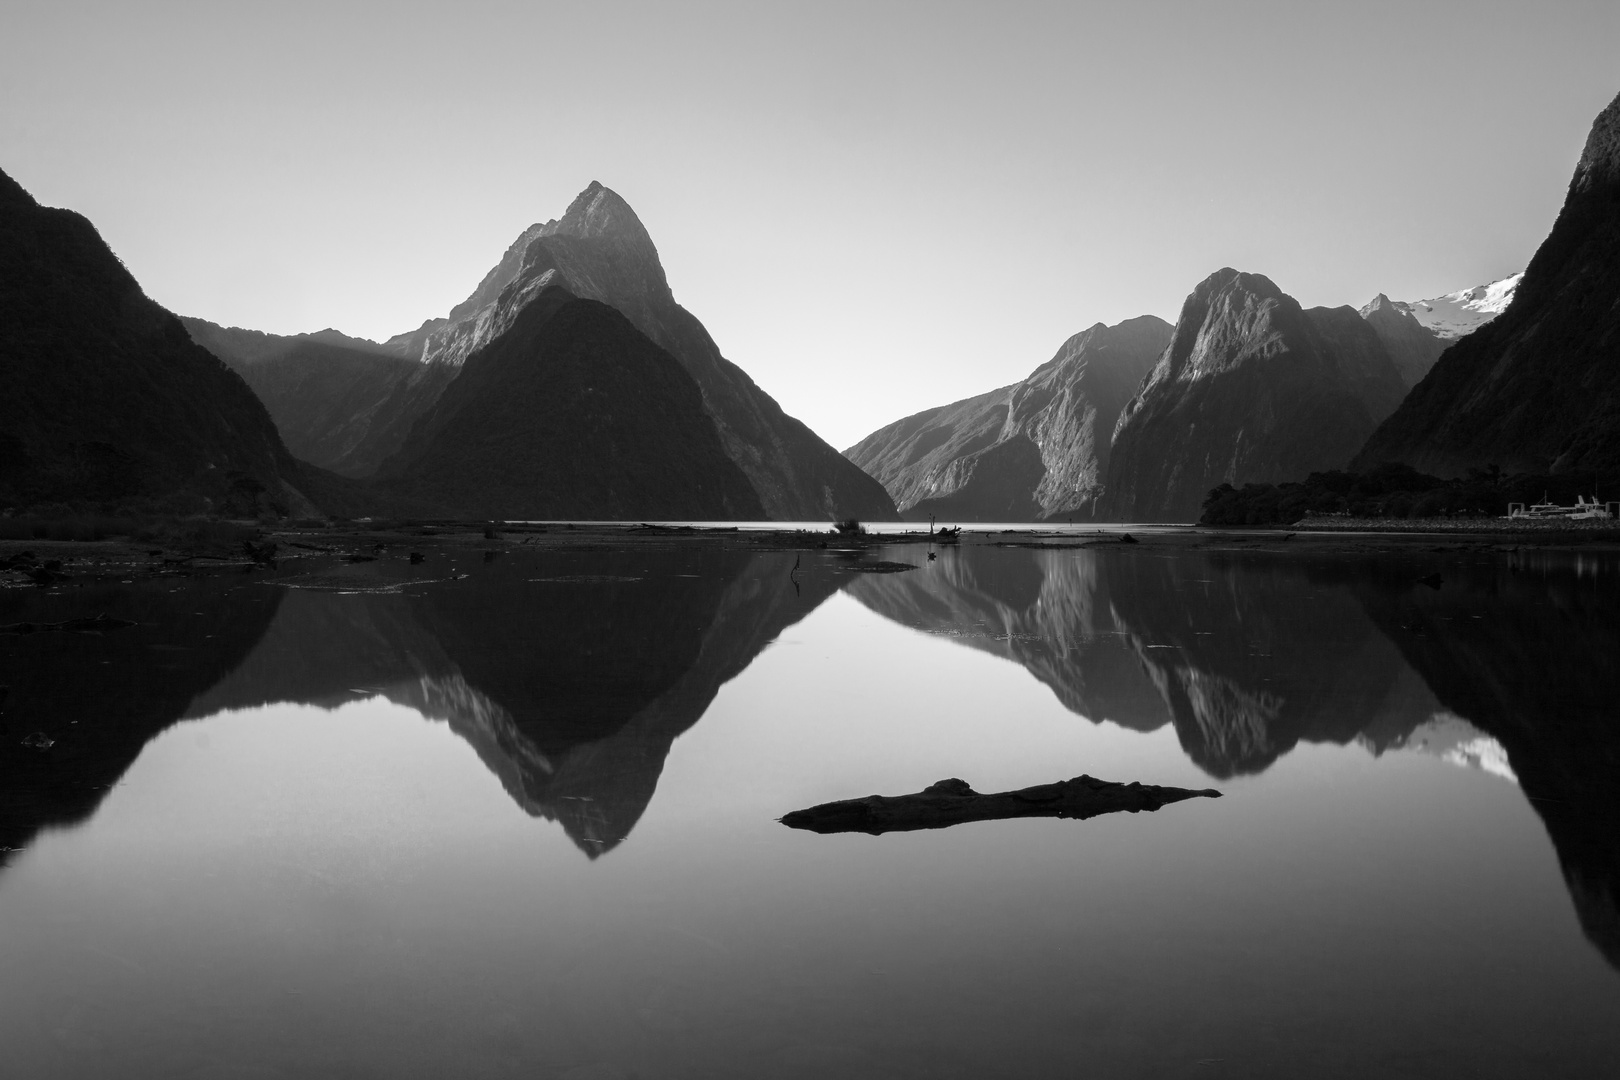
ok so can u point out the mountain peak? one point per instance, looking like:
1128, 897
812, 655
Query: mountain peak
1226, 278
1599, 166
598, 211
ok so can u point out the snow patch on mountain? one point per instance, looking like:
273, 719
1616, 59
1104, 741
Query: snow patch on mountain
1466, 310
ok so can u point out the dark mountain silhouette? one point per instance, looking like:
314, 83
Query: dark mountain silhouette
328, 393
1036, 449
105, 397
571, 412
1252, 388
599, 250
1412, 346
1536, 390
571, 688
1525, 649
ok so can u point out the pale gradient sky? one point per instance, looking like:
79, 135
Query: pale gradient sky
874, 208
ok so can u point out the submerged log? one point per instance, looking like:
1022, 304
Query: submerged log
952, 802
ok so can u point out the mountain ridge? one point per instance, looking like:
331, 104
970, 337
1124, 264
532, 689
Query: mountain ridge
1252, 387
1034, 449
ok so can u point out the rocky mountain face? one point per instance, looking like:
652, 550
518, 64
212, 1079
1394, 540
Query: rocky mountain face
1538, 389
106, 399
1252, 388
570, 412
600, 251
1036, 449
1412, 346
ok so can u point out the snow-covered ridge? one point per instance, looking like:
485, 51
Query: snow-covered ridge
1466, 310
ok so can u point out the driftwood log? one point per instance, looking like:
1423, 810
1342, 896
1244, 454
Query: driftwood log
952, 802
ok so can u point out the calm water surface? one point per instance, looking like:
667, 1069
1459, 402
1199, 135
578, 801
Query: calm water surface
384, 821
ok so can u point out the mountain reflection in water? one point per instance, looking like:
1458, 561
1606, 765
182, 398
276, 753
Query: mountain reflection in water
570, 676
1250, 653
572, 673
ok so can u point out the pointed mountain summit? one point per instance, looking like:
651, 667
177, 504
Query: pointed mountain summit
1252, 388
1035, 449
106, 399
599, 250
570, 413
1537, 389
1412, 346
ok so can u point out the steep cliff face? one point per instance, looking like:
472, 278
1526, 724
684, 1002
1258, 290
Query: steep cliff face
600, 251
1537, 389
1412, 346
1036, 449
571, 412
1252, 388
105, 398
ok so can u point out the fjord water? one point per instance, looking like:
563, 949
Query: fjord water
517, 817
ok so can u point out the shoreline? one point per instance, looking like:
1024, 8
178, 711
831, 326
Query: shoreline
43, 562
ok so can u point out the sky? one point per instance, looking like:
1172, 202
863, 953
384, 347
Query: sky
874, 207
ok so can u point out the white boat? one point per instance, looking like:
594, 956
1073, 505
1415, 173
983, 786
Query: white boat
1583, 510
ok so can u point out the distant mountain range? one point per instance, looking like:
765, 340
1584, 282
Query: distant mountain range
1126, 424
608, 399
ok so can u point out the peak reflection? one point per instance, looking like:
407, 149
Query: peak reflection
570, 675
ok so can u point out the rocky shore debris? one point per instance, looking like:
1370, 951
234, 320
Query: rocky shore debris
952, 802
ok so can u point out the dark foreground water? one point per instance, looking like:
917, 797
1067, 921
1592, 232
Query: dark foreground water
521, 823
